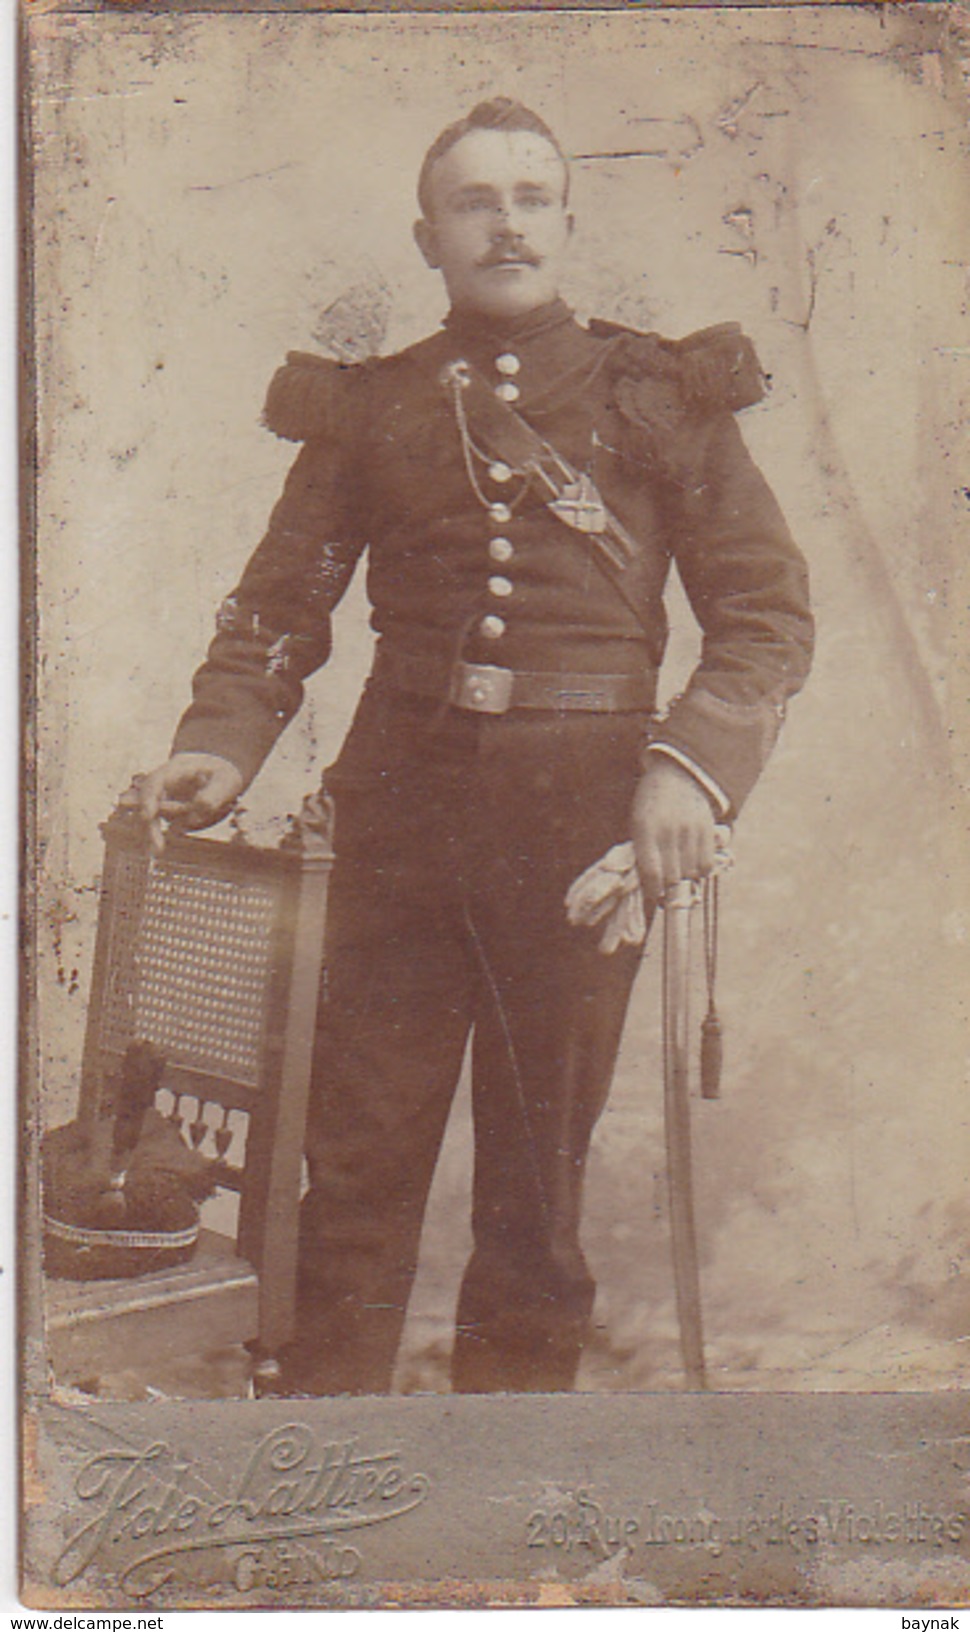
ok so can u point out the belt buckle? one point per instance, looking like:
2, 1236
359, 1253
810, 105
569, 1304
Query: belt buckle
481, 687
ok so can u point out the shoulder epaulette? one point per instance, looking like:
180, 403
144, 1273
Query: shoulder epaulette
712, 370
308, 396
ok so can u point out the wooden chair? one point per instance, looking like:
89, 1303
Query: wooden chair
213, 953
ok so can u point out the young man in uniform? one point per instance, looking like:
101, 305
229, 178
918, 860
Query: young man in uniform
522, 485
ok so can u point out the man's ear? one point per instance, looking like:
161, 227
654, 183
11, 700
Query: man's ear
427, 241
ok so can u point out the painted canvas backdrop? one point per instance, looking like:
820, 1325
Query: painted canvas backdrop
211, 191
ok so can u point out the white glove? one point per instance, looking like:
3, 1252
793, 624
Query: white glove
609, 893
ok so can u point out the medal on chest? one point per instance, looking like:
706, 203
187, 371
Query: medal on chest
579, 505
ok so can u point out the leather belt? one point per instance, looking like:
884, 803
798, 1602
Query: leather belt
484, 688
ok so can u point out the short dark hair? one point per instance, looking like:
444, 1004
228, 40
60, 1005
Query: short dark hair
499, 113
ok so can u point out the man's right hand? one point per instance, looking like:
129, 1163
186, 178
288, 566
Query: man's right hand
189, 791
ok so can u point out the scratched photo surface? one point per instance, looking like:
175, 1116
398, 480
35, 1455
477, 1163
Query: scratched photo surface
213, 191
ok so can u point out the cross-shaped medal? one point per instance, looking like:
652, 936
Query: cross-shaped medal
579, 505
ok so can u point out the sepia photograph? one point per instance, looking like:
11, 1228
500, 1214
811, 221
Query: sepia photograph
495, 669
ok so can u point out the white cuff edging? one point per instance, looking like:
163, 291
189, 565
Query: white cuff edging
708, 783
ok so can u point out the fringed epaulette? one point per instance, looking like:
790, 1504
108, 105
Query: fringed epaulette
309, 397
664, 387
713, 369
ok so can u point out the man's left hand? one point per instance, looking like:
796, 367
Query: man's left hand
673, 827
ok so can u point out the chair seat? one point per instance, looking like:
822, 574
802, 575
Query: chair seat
95, 1327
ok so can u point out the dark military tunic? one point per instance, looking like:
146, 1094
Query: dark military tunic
458, 831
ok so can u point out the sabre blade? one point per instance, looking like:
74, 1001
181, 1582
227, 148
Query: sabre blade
678, 903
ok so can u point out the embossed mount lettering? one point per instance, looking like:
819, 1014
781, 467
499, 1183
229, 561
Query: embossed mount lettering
574, 1523
153, 1517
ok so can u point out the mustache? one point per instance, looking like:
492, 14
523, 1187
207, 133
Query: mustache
519, 253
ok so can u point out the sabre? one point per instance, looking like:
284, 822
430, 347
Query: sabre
608, 895
678, 903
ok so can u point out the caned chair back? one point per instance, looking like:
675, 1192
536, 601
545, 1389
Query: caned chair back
213, 953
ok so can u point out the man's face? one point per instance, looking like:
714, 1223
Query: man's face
499, 228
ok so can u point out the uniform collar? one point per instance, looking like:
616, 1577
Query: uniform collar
469, 328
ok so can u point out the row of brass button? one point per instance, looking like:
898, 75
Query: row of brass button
500, 549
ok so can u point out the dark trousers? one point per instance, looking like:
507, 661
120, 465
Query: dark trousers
457, 838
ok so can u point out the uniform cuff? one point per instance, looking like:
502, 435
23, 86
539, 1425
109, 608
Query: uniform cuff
246, 747
716, 794
730, 741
